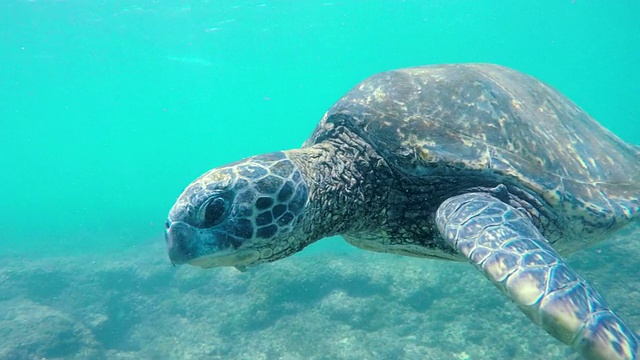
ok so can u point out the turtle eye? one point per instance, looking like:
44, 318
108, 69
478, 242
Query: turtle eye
211, 212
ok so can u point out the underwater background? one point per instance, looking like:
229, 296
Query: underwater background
109, 108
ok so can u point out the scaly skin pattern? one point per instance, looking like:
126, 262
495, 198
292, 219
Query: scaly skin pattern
504, 244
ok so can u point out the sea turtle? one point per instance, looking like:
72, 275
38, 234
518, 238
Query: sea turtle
467, 162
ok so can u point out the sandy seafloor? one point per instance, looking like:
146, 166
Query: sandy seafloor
318, 305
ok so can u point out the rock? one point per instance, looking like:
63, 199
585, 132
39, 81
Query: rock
32, 331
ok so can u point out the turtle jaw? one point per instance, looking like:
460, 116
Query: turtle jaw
186, 245
239, 259
181, 243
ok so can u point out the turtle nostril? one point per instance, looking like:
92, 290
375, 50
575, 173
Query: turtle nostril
167, 224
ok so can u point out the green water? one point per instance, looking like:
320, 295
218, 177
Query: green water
108, 109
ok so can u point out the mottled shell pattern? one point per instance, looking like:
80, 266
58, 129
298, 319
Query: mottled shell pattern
495, 122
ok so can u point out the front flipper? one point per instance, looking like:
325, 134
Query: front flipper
505, 245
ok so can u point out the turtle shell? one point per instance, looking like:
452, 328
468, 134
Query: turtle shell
491, 121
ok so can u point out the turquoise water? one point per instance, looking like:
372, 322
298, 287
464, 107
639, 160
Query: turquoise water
108, 109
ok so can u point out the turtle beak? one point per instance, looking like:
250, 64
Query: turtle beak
204, 248
180, 242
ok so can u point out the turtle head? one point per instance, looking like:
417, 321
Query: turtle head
241, 214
